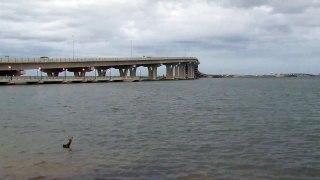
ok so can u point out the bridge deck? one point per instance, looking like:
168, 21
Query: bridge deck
76, 60
51, 63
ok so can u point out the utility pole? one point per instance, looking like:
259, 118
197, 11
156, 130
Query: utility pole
73, 47
131, 48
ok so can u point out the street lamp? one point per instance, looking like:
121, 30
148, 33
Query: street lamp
110, 74
10, 67
140, 75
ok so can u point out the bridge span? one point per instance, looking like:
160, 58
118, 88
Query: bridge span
176, 67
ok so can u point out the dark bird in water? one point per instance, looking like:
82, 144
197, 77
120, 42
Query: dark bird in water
68, 144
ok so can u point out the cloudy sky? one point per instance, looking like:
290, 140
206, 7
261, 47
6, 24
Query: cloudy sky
228, 36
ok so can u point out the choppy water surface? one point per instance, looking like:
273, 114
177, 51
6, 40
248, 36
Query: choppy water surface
203, 129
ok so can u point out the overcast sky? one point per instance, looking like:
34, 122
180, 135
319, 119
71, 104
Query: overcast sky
228, 36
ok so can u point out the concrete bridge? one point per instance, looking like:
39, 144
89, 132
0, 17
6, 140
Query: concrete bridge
176, 67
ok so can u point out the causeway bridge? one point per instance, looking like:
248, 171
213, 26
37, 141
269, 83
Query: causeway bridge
11, 69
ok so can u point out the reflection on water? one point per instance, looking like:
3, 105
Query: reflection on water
204, 129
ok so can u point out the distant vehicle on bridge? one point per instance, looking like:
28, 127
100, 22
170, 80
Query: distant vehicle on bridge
44, 58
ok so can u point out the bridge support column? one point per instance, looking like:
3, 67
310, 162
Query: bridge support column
153, 72
169, 74
133, 72
123, 72
196, 72
182, 71
49, 74
11, 73
190, 71
79, 72
176, 71
76, 74
82, 73
101, 72
52, 72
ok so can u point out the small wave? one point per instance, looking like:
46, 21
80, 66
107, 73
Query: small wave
115, 109
102, 143
37, 178
194, 176
7, 167
40, 163
22, 152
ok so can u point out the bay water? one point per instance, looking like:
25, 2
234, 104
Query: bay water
199, 129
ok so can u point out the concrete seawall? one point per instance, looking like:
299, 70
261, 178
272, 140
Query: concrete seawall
25, 80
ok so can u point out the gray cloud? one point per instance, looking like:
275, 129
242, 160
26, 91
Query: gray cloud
239, 36
283, 6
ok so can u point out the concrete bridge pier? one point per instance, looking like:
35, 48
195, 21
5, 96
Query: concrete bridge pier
52, 72
82, 73
10, 73
152, 71
79, 72
101, 72
133, 72
176, 71
182, 71
76, 74
169, 74
123, 72
191, 71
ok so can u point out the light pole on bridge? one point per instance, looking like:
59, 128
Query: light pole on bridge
72, 47
8, 58
131, 49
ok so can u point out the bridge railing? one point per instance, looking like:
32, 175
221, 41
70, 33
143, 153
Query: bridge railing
48, 60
